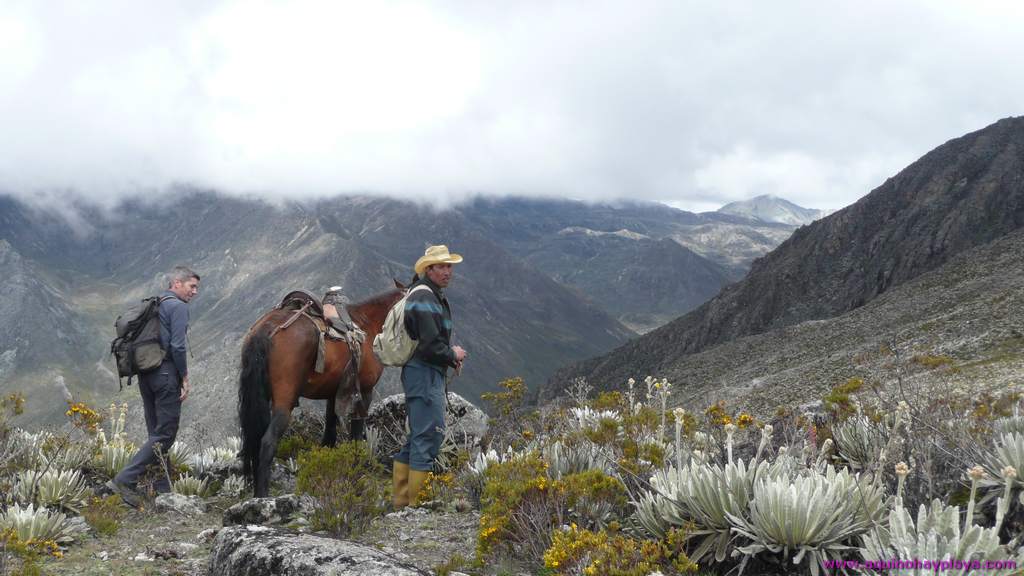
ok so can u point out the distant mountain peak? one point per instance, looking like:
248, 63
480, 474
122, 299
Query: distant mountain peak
771, 208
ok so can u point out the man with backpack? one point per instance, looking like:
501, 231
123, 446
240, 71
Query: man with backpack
165, 388
428, 320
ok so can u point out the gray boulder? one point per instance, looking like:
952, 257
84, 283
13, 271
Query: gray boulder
261, 550
465, 422
184, 505
280, 510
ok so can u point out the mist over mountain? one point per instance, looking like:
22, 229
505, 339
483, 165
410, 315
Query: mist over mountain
961, 195
532, 293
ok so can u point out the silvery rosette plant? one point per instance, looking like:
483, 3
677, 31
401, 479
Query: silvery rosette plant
215, 459
189, 485
565, 459
585, 417
1009, 425
936, 535
1008, 451
53, 489
705, 495
807, 518
40, 524
859, 441
234, 486
113, 457
180, 456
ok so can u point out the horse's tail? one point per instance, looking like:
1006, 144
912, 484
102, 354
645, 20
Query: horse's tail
254, 399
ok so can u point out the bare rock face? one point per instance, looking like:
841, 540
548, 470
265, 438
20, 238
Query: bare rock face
260, 550
280, 510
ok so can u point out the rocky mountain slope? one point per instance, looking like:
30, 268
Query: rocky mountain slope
962, 195
249, 254
645, 263
958, 327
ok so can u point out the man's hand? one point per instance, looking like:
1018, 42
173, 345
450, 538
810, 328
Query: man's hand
460, 354
185, 389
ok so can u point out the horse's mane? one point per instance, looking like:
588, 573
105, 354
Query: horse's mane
375, 300
383, 300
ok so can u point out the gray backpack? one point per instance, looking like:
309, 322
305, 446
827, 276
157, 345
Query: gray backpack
136, 346
393, 346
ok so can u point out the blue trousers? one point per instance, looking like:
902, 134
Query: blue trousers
424, 401
161, 402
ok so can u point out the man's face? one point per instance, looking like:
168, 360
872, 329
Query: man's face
185, 289
440, 274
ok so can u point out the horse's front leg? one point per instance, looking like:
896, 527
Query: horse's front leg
280, 417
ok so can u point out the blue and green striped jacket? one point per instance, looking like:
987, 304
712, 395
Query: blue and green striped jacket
428, 320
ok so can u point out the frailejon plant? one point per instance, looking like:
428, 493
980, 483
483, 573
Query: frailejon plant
1008, 451
53, 489
215, 458
565, 459
702, 495
180, 457
233, 487
40, 524
113, 457
67, 453
859, 441
805, 518
936, 535
189, 485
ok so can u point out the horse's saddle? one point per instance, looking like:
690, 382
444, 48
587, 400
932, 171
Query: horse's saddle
336, 319
331, 318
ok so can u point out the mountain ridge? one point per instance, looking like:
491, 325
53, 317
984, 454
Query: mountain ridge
964, 193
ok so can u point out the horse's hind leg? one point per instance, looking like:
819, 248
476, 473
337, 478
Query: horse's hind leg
330, 425
279, 419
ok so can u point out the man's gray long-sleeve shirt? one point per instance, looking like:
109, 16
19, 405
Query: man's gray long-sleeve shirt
173, 331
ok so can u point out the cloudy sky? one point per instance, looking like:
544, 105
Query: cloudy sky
690, 103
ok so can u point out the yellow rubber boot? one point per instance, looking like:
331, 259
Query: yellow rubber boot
400, 478
416, 480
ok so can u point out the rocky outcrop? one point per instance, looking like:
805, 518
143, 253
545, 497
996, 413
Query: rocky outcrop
264, 551
964, 194
281, 510
465, 422
185, 505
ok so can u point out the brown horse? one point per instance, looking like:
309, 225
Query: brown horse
278, 368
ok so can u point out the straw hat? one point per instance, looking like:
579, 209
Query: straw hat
436, 255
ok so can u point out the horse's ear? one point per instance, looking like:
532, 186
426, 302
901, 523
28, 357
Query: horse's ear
398, 284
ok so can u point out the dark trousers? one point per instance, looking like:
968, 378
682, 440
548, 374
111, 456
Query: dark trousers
424, 401
161, 401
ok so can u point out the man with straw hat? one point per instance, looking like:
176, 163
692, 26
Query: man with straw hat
428, 320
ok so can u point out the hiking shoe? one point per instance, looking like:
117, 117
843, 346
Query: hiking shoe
127, 494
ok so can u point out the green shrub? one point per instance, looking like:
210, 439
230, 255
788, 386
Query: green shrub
291, 446
104, 515
523, 506
838, 400
348, 483
576, 551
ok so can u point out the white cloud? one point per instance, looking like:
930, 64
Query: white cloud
690, 103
